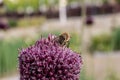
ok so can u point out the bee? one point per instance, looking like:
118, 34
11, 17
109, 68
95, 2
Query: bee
63, 39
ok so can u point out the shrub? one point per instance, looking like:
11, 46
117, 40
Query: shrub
116, 39
12, 23
101, 43
9, 54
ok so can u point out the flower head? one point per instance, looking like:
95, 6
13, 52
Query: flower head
46, 60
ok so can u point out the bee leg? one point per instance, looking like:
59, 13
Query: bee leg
63, 44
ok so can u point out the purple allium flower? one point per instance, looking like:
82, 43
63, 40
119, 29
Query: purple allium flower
47, 60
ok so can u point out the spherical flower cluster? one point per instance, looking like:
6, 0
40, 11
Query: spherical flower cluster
46, 60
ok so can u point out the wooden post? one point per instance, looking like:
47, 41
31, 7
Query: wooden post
62, 11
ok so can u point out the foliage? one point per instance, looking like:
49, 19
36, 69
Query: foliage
13, 23
75, 42
72, 1
84, 76
9, 54
101, 43
105, 1
14, 5
26, 22
31, 21
112, 75
105, 42
118, 1
116, 39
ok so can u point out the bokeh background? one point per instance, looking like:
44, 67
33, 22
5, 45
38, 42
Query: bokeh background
94, 26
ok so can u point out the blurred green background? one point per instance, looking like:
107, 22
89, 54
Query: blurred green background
94, 26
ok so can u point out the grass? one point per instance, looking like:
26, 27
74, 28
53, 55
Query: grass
116, 39
9, 54
83, 75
